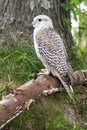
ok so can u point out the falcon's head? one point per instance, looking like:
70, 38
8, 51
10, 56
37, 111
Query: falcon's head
42, 21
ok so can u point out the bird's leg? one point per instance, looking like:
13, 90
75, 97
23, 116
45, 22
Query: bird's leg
43, 72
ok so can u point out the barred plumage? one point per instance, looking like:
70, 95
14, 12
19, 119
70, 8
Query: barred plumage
51, 51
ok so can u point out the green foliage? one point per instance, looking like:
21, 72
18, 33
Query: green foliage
6, 88
81, 53
63, 125
80, 15
83, 25
80, 33
19, 62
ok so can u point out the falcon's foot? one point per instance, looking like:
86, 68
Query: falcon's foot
43, 72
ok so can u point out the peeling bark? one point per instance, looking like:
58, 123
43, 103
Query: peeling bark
15, 103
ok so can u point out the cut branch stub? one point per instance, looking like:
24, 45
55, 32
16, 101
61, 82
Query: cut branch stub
80, 77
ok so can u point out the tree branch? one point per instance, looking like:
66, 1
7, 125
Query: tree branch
14, 103
80, 77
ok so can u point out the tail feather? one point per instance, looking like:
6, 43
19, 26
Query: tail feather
71, 89
68, 88
66, 85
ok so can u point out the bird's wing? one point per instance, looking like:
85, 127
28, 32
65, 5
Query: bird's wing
52, 50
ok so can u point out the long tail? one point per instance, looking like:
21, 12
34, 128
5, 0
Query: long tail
67, 86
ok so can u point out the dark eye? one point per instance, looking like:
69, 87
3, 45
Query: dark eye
39, 20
